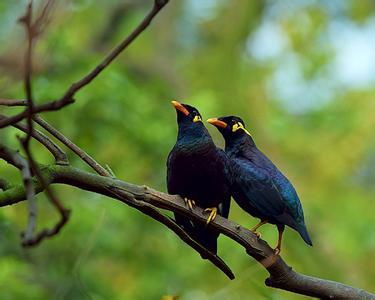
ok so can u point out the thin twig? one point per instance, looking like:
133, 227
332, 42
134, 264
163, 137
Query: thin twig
77, 150
42, 19
55, 150
29, 241
67, 98
15, 159
13, 102
32, 30
26, 20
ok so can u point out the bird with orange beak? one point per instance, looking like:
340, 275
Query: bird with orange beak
257, 184
196, 170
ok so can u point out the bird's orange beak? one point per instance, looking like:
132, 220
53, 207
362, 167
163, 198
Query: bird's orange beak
216, 122
178, 106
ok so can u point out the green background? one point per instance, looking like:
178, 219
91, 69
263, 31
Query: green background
301, 75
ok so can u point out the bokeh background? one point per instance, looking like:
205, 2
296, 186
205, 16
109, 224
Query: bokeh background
300, 73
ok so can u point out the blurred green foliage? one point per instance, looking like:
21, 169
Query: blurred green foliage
275, 63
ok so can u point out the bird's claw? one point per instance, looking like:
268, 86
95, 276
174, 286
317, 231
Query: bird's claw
213, 213
189, 203
258, 234
277, 251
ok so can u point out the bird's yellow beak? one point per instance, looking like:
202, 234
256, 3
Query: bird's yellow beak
178, 106
216, 122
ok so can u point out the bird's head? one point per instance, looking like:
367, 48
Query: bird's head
230, 127
186, 113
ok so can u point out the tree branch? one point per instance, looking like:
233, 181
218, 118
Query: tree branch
281, 275
13, 102
15, 194
62, 138
29, 239
81, 153
56, 151
15, 159
67, 98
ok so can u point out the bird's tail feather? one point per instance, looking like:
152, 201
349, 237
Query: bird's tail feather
199, 232
206, 237
302, 230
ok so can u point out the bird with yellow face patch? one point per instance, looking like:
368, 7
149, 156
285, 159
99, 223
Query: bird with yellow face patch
257, 184
196, 170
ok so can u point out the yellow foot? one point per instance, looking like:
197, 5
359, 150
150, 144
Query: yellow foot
189, 203
213, 213
258, 234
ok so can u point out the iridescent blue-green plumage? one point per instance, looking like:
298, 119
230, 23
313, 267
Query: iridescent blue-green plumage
257, 184
196, 170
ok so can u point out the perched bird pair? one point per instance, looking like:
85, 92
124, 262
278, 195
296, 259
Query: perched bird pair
204, 175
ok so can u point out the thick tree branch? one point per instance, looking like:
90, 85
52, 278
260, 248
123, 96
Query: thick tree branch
67, 98
281, 275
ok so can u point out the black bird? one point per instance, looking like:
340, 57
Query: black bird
196, 171
257, 185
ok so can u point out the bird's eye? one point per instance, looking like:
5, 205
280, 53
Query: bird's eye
197, 119
237, 126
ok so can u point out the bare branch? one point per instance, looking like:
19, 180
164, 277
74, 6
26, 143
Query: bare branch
42, 19
13, 102
29, 240
31, 34
81, 153
56, 151
281, 275
27, 21
32, 30
15, 159
67, 98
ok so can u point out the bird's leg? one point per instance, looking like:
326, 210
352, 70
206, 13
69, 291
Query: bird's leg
280, 228
213, 213
254, 229
189, 203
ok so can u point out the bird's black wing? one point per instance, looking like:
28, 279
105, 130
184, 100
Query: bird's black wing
257, 187
169, 171
173, 189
